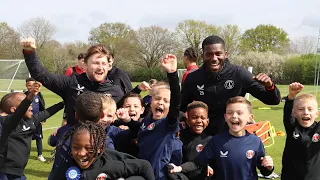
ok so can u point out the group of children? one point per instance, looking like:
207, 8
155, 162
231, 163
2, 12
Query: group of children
106, 142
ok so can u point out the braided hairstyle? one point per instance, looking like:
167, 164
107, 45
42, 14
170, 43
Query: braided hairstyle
192, 54
97, 137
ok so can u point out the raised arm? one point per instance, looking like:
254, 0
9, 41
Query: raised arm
186, 96
169, 63
288, 118
55, 83
43, 115
261, 87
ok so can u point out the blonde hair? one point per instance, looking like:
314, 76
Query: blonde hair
108, 104
159, 85
305, 97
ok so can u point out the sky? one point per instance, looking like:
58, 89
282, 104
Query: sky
75, 18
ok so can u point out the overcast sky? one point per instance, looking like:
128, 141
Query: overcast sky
75, 18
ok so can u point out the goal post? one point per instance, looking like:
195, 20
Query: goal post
180, 74
12, 75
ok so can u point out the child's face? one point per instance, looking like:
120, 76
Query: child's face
198, 119
29, 85
160, 103
81, 149
305, 111
108, 118
18, 100
237, 115
135, 109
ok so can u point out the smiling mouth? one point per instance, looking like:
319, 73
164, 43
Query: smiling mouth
306, 119
159, 109
83, 161
235, 123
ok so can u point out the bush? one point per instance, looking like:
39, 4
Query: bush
144, 74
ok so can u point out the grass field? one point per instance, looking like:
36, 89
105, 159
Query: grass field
36, 170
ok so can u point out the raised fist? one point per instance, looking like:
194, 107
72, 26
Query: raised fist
169, 63
144, 86
29, 44
294, 89
35, 89
263, 79
123, 115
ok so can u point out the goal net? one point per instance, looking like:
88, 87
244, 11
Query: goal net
13, 74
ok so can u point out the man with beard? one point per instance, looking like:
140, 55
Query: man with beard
69, 88
218, 80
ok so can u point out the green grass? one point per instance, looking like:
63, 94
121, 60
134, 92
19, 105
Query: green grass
36, 170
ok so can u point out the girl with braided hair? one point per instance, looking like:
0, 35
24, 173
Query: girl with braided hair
90, 161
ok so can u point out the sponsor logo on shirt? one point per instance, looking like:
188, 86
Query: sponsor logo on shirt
79, 89
201, 89
102, 176
229, 84
295, 135
199, 147
315, 137
24, 128
224, 154
250, 154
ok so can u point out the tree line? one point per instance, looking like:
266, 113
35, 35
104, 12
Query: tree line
266, 48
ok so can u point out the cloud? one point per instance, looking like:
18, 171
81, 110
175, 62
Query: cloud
313, 22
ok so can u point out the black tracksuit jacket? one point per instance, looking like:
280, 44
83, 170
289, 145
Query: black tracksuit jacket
215, 91
15, 143
301, 155
113, 169
68, 87
120, 78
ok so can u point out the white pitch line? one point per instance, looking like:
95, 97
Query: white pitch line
49, 128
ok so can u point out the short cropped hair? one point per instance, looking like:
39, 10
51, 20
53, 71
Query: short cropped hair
213, 40
108, 103
9, 100
133, 95
30, 79
240, 99
81, 56
89, 106
197, 104
305, 97
97, 49
159, 85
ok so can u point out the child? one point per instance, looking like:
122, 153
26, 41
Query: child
236, 153
17, 130
157, 133
194, 138
90, 161
301, 155
38, 104
147, 99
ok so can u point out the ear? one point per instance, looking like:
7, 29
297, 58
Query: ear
142, 110
225, 116
251, 118
13, 109
317, 114
226, 54
102, 115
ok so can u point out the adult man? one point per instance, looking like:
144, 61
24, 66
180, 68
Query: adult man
119, 77
218, 80
38, 104
70, 87
79, 68
190, 61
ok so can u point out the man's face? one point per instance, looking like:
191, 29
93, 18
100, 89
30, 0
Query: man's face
97, 67
213, 57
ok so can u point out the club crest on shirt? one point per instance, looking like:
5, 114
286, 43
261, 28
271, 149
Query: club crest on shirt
73, 173
295, 135
182, 125
36, 100
102, 176
315, 137
250, 154
151, 126
199, 147
229, 84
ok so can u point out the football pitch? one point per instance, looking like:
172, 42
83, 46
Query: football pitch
37, 170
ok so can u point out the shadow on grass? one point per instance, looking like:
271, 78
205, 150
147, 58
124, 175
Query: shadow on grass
37, 173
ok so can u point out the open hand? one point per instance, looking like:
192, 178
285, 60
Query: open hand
169, 63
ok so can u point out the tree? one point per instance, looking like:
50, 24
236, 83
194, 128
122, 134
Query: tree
9, 42
117, 37
40, 29
303, 45
193, 32
153, 43
265, 38
231, 35
75, 48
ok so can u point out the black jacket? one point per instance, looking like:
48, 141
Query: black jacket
301, 155
41, 101
15, 142
120, 78
216, 91
68, 87
113, 169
